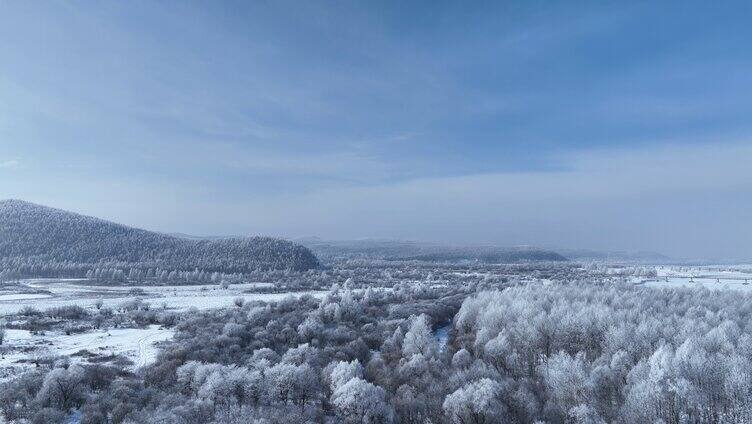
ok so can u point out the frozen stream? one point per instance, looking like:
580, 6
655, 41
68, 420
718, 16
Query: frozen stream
442, 336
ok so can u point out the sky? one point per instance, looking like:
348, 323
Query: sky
594, 125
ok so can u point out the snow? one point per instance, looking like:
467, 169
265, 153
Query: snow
77, 292
736, 277
12, 336
147, 349
23, 296
138, 344
710, 283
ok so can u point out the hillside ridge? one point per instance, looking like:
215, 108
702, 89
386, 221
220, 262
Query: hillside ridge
407, 250
42, 235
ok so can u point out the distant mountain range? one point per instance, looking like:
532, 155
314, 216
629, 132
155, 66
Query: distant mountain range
420, 251
40, 234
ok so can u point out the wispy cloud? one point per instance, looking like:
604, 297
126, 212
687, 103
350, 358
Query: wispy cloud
681, 200
513, 123
10, 164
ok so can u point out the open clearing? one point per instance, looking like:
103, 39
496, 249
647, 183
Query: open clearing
139, 345
736, 277
49, 293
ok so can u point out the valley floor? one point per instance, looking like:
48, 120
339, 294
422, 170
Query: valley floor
138, 345
50, 293
22, 348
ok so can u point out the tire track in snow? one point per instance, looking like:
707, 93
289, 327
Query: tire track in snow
146, 348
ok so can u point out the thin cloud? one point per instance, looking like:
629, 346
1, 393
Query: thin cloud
685, 201
10, 164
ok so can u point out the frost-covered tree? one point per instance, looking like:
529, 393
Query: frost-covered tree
342, 372
477, 403
461, 359
419, 339
358, 401
62, 389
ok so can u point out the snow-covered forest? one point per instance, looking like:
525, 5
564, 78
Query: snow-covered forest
42, 241
395, 250
102, 323
375, 212
408, 342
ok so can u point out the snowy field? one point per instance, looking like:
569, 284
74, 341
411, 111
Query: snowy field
137, 344
735, 277
49, 293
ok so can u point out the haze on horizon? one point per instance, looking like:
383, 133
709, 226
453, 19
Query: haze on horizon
612, 126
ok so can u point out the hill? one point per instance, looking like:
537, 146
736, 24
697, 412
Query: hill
616, 256
42, 235
398, 250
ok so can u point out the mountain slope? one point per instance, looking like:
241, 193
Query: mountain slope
47, 234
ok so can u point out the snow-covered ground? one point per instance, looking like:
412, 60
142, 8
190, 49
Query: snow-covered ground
45, 293
711, 283
736, 277
713, 271
140, 345
23, 296
137, 344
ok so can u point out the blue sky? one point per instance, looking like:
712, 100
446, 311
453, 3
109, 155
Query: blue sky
608, 125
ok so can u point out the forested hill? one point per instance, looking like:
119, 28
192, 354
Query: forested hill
41, 235
398, 250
